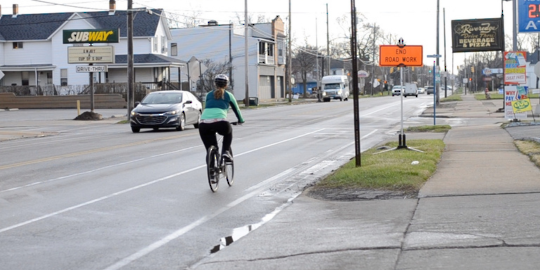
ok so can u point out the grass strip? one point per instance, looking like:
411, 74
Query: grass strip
391, 170
429, 128
531, 149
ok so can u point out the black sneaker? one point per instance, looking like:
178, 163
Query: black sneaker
227, 156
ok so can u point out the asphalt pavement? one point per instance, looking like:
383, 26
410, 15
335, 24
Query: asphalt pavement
480, 210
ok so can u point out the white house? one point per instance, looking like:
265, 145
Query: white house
226, 44
32, 53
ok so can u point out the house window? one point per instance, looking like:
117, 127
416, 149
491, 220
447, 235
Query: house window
24, 79
174, 49
63, 77
155, 44
270, 50
163, 45
280, 49
17, 45
262, 48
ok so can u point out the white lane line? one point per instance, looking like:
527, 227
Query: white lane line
97, 200
165, 240
134, 188
95, 170
277, 176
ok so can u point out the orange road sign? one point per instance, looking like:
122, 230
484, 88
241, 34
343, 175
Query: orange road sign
401, 56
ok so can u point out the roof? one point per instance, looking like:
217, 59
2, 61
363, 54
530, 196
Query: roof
31, 26
42, 26
141, 59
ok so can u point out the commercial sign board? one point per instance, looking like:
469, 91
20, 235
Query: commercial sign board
477, 35
87, 69
401, 56
515, 67
528, 14
91, 36
516, 102
91, 54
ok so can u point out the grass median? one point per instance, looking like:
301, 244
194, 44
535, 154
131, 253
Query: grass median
401, 170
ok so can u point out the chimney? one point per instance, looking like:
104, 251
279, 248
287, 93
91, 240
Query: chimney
112, 7
15, 10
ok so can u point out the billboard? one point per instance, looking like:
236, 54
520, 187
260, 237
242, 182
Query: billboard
528, 13
515, 67
91, 36
477, 35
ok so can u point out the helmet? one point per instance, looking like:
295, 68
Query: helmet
221, 80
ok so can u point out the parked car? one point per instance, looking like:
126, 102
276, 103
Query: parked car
166, 109
396, 90
421, 90
429, 90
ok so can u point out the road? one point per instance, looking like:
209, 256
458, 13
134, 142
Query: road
97, 196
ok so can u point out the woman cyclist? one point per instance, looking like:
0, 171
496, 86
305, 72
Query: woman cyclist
213, 118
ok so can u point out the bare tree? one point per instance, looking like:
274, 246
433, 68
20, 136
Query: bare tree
304, 61
183, 20
206, 81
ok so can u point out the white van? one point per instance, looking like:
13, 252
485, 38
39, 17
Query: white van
410, 90
335, 87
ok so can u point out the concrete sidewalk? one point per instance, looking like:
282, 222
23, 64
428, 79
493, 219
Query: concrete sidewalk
480, 210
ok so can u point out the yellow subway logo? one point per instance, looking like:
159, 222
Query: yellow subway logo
91, 36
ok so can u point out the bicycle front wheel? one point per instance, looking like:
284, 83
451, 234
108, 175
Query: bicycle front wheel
212, 168
229, 170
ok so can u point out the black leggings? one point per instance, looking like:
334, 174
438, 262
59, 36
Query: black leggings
208, 134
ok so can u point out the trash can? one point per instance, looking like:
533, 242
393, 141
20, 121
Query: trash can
253, 101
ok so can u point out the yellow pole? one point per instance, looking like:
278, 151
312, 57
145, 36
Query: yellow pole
78, 107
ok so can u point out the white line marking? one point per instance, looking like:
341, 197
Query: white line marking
134, 188
95, 170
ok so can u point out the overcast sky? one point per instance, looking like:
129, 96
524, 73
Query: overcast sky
413, 20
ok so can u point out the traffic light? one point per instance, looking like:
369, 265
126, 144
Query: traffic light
470, 79
472, 69
430, 71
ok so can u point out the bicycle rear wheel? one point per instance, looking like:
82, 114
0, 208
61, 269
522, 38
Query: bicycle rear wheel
229, 170
212, 168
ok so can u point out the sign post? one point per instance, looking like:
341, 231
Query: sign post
435, 97
91, 54
401, 55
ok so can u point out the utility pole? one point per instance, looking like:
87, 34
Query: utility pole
246, 62
289, 60
131, 79
445, 72
327, 40
373, 62
355, 85
437, 70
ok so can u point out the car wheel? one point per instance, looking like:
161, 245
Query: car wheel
196, 125
182, 125
135, 129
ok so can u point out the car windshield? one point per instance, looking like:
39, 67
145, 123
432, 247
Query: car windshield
332, 86
162, 98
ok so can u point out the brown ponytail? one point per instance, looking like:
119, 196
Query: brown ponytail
218, 93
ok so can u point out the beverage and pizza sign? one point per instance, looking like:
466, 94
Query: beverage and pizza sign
477, 35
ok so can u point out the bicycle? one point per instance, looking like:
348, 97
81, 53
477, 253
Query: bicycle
217, 167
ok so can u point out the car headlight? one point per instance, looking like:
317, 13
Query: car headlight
339, 92
171, 113
324, 93
133, 113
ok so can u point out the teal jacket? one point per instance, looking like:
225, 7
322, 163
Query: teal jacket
218, 108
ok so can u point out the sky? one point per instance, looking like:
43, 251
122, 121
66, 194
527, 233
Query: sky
413, 20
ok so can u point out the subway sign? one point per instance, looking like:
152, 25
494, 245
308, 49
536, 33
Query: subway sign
91, 36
